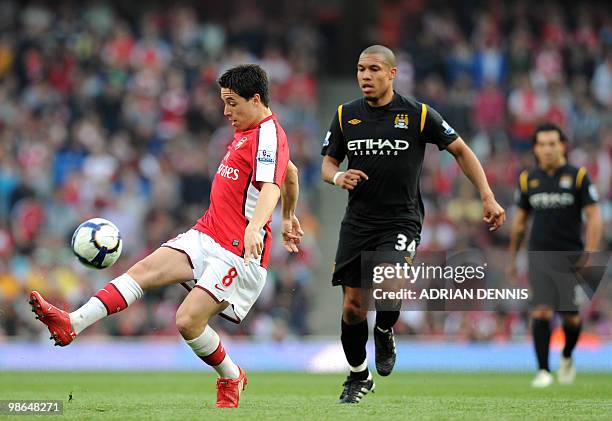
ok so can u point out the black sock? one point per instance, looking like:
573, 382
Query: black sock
354, 339
541, 341
386, 319
572, 333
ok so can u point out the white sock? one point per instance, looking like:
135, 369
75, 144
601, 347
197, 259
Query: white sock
208, 343
227, 369
94, 310
89, 313
360, 367
128, 287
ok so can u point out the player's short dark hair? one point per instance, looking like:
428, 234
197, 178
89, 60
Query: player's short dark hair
549, 127
383, 51
247, 80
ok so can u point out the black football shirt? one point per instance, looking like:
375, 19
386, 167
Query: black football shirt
388, 144
556, 202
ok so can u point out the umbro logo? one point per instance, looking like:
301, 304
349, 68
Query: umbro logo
354, 121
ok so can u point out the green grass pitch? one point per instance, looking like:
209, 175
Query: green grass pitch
187, 396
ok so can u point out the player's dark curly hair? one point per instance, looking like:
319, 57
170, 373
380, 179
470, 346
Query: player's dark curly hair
548, 127
247, 80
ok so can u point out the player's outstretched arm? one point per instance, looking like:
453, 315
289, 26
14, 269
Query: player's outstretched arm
494, 214
290, 226
330, 172
253, 240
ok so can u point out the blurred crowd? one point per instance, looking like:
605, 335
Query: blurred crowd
495, 70
106, 116
115, 114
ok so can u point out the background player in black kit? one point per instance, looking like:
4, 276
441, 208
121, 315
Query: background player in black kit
557, 194
383, 134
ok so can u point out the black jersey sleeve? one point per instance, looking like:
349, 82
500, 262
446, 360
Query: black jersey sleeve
333, 143
522, 192
435, 129
585, 190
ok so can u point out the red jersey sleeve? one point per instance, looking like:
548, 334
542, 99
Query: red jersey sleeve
271, 154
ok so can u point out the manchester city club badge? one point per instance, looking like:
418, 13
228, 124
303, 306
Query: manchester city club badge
401, 121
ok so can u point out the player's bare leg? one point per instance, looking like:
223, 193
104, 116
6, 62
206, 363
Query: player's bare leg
192, 322
354, 338
165, 266
541, 318
572, 325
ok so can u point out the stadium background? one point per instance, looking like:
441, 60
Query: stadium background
112, 110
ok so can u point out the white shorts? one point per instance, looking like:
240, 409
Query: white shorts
221, 273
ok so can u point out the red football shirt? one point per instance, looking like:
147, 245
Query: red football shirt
255, 156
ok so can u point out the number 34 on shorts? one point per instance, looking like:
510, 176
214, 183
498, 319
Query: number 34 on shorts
403, 245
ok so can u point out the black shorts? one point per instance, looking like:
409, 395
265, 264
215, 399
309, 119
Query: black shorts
356, 238
553, 281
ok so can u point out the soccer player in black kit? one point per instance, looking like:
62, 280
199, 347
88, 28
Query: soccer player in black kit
383, 134
556, 194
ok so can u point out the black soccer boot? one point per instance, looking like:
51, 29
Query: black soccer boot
384, 344
355, 389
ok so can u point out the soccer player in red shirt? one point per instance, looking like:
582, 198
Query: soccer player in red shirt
227, 250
